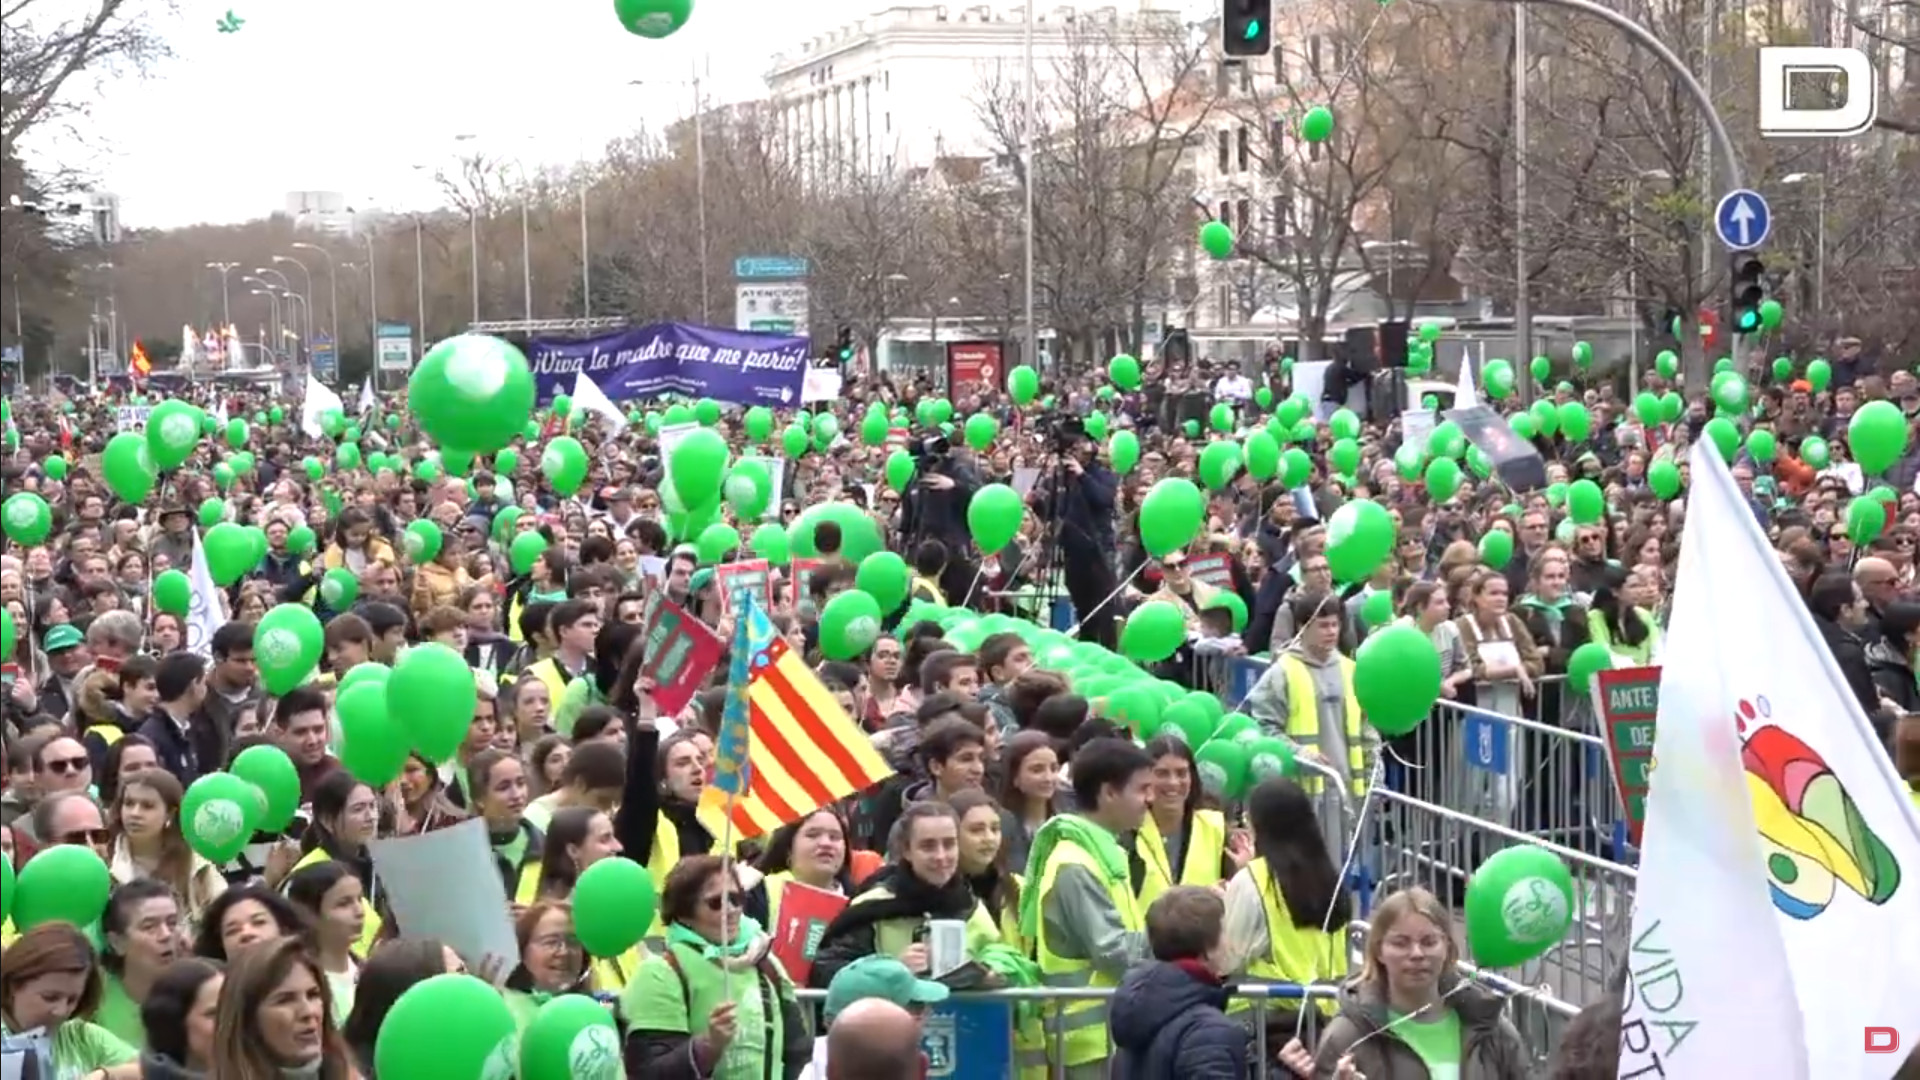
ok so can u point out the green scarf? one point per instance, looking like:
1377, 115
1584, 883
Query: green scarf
1094, 839
745, 938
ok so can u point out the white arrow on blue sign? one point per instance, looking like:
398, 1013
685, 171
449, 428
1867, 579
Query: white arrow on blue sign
1743, 219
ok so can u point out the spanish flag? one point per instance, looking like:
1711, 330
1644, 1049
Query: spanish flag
786, 748
140, 364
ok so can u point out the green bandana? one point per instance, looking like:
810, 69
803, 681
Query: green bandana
748, 934
1089, 837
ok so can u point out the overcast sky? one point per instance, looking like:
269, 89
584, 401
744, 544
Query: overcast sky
350, 95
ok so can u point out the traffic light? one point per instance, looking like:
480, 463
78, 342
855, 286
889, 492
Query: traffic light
843, 345
1748, 290
1246, 27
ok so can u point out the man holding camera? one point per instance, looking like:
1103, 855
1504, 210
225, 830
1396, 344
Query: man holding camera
935, 508
1077, 500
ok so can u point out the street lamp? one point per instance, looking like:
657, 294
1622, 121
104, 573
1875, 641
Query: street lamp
306, 296
699, 180
333, 290
226, 309
1820, 236
273, 309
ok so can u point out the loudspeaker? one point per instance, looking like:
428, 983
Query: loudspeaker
1393, 343
1361, 350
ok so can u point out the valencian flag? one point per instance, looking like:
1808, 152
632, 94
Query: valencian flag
786, 748
140, 365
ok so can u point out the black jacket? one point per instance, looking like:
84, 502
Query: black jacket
1850, 653
1083, 508
187, 756
1168, 1023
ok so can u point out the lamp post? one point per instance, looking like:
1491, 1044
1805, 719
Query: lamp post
286, 284
696, 81
273, 308
306, 295
226, 308
1820, 236
333, 291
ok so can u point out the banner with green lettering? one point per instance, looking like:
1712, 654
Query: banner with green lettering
1627, 701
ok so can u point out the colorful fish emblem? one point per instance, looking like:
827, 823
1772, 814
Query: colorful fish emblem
1811, 832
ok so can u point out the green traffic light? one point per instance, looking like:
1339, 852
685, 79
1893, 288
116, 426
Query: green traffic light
1253, 30
1747, 322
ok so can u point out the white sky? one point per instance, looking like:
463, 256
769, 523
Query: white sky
351, 95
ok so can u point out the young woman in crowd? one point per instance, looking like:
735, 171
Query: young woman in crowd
131, 755
245, 916
1287, 911
179, 1016
424, 804
1030, 781
1178, 843
715, 1004
276, 1019
49, 981
1410, 971
328, 895
148, 842
498, 781
983, 861
579, 837
811, 852
393, 969
143, 931
591, 776
346, 818
921, 881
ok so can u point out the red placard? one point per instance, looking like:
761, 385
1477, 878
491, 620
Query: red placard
974, 364
680, 651
803, 916
753, 574
1214, 569
800, 575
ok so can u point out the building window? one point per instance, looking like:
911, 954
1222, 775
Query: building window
1243, 214
1244, 149
1226, 150
1226, 214
1282, 223
1313, 57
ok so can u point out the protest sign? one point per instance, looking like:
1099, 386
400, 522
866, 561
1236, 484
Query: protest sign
680, 651
1626, 700
754, 575
739, 366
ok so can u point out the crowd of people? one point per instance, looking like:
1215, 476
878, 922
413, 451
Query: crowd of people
1025, 818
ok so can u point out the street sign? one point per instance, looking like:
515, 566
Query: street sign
749, 267
1742, 219
321, 358
774, 309
394, 351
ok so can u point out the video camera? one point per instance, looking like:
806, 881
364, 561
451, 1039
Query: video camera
929, 450
1062, 432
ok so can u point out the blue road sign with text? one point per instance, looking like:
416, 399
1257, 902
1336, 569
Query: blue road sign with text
1743, 219
770, 266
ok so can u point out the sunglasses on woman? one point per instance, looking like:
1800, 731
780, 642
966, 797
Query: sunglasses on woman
732, 899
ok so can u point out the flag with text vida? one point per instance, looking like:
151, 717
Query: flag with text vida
1776, 921
786, 747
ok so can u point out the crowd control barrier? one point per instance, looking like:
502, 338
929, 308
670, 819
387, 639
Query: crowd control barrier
971, 1035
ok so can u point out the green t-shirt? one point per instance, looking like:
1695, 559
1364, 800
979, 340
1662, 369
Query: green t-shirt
80, 1047
1437, 1041
119, 1013
656, 1000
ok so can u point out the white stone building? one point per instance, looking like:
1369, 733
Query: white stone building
902, 88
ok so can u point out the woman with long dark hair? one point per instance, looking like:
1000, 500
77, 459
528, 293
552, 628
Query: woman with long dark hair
1030, 781
346, 818
576, 839
811, 852
1288, 909
1179, 843
276, 1019
329, 895
983, 861
393, 969
179, 1017
243, 917
148, 842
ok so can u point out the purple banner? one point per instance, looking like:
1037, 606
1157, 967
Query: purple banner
739, 366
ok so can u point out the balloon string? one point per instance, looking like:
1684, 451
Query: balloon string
1359, 52
1074, 630
1415, 1014
1346, 866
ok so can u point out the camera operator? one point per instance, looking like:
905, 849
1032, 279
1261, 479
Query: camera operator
1077, 499
935, 508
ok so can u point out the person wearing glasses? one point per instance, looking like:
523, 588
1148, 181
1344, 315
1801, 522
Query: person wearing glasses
70, 817
716, 1004
56, 766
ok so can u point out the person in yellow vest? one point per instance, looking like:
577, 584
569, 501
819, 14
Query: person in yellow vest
659, 813
1178, 843
1306, 697
983, 862
1288, 910
1079, 909
1630, 633
572, 626
497, 781
893, 913
328, 894
576, 838
346, 818
810, 852
929, 562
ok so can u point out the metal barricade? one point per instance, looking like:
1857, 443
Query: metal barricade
971, 1022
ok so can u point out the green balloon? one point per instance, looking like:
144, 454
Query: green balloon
27, 518
450, 1027
64, 883
1877, 435
339, 588
885, 576
1360, 536
372, 746
269, 769
422, 541
1396, 678
572, 1037
472, 392
564, 464
849, 625
1496, 548
287, 644
1520, 904
1171, 515
431, 693
1153, 631
613, 906
219, 814
993, 517
715, 542
769, 542
130, 468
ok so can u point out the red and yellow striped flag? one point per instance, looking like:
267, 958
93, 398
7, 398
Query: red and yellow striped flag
139, 362
804, 750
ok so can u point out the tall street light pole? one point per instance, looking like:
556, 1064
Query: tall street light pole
699, 183
306, 297
333, 292
226, 308
1032, 346
273, 310
285, 283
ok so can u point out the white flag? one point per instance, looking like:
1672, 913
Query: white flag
208, 610
1777, 919
319, 399
588, 395
1464, 395
367, 403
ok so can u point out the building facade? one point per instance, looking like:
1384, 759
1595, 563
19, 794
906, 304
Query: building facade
907, 86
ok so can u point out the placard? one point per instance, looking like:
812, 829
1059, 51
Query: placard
800, 573
800, 922
131, 417
1215, 569
1627, 700
755, 575
680, 652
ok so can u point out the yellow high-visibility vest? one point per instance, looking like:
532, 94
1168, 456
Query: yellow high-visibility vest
1199, 865
1303, 720
1079, 1028
1295, 954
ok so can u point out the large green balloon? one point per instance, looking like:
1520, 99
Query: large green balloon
27, 518
849, 625
173, 430
1519, 905
859, 534
1877, 435
1153, 631
449, 1027
432, 694
613, 906
572, 1037
1360, 537
472, 392
564, 463
129, 467
993, 517
372, 747
64, 883
287, 645
218, 816
1396, 678
884, 576
269, 769
697, 466
1171, 516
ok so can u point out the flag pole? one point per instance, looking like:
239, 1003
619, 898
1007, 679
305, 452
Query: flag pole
731, 752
